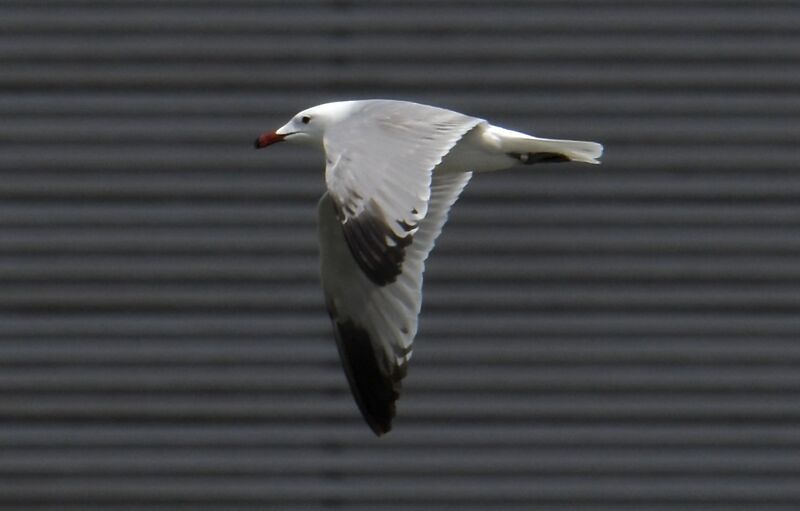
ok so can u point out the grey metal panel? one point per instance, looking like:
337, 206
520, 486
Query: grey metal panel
614, 337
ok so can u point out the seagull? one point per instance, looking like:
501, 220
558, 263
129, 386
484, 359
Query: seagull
393, 170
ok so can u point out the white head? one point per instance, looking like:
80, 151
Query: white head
307, 126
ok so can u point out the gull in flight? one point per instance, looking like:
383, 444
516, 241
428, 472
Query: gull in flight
393, 170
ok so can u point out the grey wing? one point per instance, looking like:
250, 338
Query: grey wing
379, 166
375, 324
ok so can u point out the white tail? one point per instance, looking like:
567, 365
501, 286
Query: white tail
529, 147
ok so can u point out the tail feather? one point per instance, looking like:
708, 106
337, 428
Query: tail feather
533, 150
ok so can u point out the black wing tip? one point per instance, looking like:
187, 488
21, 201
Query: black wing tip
375, 393
380, 425
378, 411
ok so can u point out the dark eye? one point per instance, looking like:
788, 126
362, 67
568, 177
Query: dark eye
306, 119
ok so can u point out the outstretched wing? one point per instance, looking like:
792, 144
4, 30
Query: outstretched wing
379, 165
375, 324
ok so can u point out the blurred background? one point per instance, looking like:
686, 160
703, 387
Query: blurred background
592, 338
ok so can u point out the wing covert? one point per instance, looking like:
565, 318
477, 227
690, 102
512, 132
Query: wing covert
379, 165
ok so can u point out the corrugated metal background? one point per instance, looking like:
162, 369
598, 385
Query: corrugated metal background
613, 337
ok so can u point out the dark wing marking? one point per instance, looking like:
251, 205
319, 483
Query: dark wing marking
375, 393
376, 248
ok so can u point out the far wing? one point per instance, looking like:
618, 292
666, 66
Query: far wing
379, 165
375, 324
